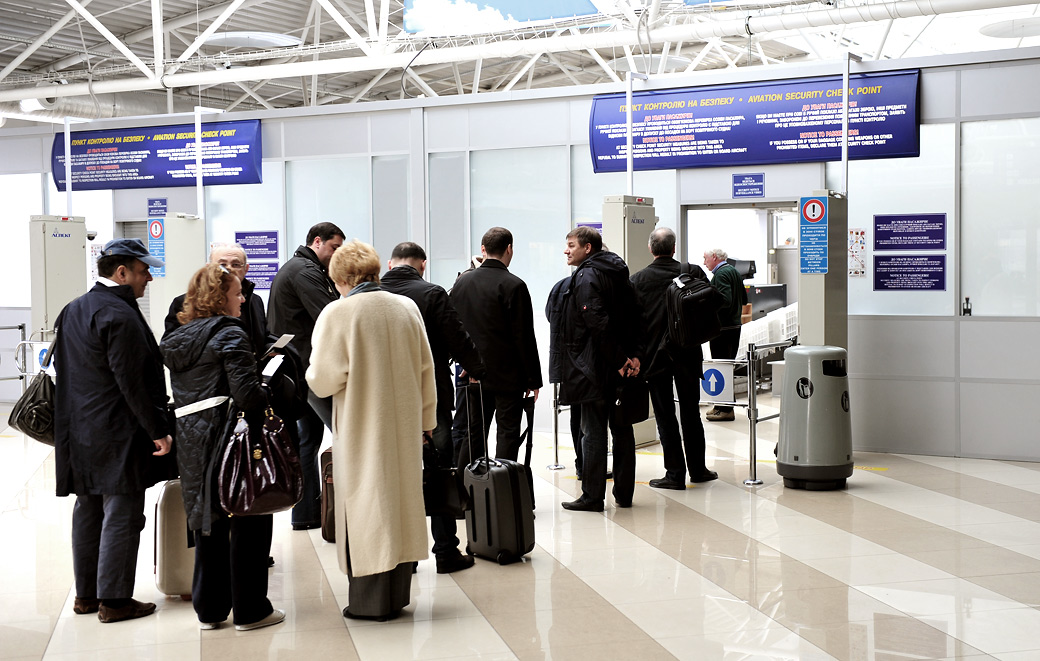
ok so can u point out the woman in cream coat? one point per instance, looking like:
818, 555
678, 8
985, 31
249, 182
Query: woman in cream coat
371, 355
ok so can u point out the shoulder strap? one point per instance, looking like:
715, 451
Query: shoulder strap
685, 267
528, 435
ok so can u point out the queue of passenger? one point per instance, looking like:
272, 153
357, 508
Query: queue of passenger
370, 359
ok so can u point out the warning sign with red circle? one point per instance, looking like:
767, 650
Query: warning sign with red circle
813, 209
155, 228
157, 245
812, 235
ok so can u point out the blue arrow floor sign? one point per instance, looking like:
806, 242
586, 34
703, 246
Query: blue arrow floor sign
717, 384
713, 383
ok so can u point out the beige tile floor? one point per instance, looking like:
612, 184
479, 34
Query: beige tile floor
920, 558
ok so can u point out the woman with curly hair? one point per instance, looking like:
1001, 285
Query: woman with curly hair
211, 360
371, 355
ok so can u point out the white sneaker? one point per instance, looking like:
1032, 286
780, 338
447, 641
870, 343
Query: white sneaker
276, 616
206, 626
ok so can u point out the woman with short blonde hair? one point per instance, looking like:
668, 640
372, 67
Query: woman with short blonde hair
371, 355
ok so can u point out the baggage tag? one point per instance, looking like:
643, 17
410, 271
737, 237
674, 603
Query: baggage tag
279, 344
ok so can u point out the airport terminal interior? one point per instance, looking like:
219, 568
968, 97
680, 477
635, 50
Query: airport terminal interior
435, 120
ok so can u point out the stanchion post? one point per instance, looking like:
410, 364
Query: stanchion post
556, 465
752, 379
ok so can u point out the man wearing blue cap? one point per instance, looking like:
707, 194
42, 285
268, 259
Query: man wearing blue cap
110, 419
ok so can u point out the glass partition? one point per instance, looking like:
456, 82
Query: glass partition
328, 190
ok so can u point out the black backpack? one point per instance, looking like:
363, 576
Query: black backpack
693, 306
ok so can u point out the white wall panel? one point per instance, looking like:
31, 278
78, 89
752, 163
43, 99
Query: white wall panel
390, 131
326, 136
1000, 350
580, 109
271, 136
914, 417
505, 125
895, 347
938, 95
447, 128
999, 421
783, 183
19, 155
1000, 90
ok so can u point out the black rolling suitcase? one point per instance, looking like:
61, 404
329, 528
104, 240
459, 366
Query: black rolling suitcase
500, 521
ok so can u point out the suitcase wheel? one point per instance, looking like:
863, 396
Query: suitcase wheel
504, 558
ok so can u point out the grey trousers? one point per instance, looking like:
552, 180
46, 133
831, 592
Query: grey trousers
106, 533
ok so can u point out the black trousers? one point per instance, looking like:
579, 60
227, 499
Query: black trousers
685, 451
231, 569
596, 417
444, 528
106, 533
725, 347
476, 410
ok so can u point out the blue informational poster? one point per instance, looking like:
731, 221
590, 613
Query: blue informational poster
812, 235
156, 207
781, 121
909, 272
262, 274
259, 245
749, 185
160, 156
910, 231
157, 245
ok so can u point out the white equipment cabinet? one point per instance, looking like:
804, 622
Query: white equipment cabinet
57, 267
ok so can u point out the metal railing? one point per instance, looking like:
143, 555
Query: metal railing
18, 349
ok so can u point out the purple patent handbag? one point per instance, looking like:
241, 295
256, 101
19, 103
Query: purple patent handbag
260, 472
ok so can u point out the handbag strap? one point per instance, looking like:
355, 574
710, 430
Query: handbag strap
200, 405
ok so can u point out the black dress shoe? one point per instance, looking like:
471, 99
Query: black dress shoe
306, 526
85, 605
582, 505
620, 502
706, 476
375, 618
270, 561
667, 483
131, 611
454, 563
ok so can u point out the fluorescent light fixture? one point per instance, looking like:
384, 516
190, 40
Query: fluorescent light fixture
251, 39
1018, 28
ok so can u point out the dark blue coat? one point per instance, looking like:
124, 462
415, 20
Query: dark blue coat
111, 395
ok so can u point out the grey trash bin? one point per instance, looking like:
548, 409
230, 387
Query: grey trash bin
815, 446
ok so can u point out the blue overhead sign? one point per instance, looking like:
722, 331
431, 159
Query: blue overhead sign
749, 185
781, 121
812, 235
160, 156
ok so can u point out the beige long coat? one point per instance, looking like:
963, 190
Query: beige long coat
370, 353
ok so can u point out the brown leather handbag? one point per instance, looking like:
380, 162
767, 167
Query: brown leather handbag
260, 472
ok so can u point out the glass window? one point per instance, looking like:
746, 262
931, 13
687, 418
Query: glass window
390, 217
328, 190
1000, 195
248, 207
23, 197
448, 254
96, 206
588, 189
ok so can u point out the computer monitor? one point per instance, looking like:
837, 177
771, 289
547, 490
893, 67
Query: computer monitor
745, 267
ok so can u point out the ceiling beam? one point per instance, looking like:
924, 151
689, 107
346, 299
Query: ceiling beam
41, 40
345, 26
114, 40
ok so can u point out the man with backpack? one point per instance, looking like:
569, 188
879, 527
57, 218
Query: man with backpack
730, 285
667, 362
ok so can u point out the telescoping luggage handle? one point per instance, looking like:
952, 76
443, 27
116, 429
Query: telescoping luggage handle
469, 431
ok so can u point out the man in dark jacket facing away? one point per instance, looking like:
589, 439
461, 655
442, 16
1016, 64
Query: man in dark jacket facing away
728, 283
299, 293
495, 308
448, 340
599, 330
110, 418
667, 363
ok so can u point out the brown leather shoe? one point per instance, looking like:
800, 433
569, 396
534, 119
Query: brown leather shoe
85, 605
131, 611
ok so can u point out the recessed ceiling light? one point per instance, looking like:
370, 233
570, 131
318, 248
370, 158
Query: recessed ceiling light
1018, 28
252, 40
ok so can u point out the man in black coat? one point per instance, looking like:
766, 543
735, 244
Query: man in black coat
600, 333
110, 418
448, 340
495, 308
667, 363
299, 293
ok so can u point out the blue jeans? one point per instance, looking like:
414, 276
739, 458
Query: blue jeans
691, 442
106, 533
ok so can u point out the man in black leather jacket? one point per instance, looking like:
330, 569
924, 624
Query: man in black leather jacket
666, 362
299, 293
448, 340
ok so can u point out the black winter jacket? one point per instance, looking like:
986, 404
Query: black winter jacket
448, 339
253, 318
651, 286
554, 315
299, 293
601, 327
495, 308
110, 398
208, 357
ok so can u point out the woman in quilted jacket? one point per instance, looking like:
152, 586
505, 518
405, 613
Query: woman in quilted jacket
211, 360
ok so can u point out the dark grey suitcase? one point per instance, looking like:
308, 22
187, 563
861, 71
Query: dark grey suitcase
500, 521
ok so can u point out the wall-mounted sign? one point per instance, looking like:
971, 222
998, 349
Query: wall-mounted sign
917, 231
157, 245
749, 185
812, 235
160, 156
909, 272
262, 274
156, 206
259, 245
782, 121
